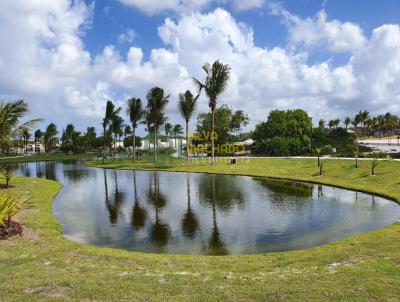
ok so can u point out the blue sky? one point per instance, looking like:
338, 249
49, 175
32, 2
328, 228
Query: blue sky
331, 58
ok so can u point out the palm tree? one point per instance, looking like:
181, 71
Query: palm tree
331, 124
177, 130
10, 115
347, 122
116, 127
26, 135
111, 112
186, 106
321, 124
156, 103
50, 137
215, 83
168, 129
136, 115
38, 136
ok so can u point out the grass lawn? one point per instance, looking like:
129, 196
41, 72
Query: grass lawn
43, 265
44, 157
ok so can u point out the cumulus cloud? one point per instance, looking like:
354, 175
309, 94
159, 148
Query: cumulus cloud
319, 32
46, 62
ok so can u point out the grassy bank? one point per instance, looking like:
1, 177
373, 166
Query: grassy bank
44, 157
43, 265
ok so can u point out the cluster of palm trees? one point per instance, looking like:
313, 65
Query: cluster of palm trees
365, 125
153, 114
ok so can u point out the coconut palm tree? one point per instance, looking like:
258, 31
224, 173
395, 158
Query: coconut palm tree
50, 137
347, 122
10, 127
177, 130
331, 124
26, 135
116, 127
110, 113
168, 129
215, 83
38, 136
186, 106
321, 124
136, 115
156, 103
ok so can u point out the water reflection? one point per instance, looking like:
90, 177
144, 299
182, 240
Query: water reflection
115, 201
190, 223
160, 230
204, 214
139, 214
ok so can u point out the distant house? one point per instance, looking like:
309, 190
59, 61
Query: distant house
164, 141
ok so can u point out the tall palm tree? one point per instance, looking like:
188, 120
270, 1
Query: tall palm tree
26, 135
10, 115
215, 83
50, 137
321, 124
168, 130
186, 106
38, 136
116, 127
347, 122
136, 115
331, 124
110, 113
156, 103
177, 130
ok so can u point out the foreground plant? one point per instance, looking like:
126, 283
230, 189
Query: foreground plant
9, 207
8, 175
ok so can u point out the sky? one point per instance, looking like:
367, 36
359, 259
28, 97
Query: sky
331, 58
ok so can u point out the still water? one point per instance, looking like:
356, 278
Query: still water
187, 213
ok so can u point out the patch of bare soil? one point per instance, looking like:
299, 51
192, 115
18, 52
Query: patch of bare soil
13, 229
50, 290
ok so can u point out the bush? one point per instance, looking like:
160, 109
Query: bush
8, 174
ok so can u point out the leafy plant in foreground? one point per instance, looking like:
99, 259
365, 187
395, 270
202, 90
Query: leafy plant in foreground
8, 174
9, 207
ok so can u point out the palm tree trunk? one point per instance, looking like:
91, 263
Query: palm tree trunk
155, 148
212, 137
187, 140
104, 141
134, 144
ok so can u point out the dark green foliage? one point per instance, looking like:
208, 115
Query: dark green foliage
128, 141
285, 133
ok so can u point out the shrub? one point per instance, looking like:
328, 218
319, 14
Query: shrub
8, 174
9, 207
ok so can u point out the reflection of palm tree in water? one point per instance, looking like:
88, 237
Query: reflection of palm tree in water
139, 214
160, 230
113, 204
189, 221
216, 246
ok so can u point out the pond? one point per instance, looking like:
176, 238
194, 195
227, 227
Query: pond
189, 213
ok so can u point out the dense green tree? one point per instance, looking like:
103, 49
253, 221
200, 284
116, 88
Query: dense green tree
285, 133
216, 81
227, 123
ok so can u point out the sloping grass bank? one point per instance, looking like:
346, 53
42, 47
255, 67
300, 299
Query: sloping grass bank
43, 265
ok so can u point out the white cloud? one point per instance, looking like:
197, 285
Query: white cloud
127, 37
45, 61
319, 32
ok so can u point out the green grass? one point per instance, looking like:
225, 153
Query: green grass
360, 268
44, 157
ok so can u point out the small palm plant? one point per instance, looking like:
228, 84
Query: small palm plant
321, 171
356, 152
9, 207
318, 152
374, 163
8, 175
